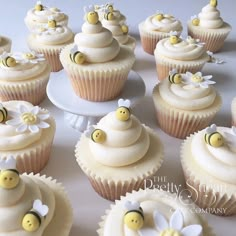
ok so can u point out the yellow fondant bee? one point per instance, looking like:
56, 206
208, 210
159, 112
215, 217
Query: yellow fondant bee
174, 38
52, 22
39, 6
7, 60
123, 112
174, 77
133, 218
195, 20
159, 16
3, 113
33, 218
9, 176
108, 15
91, 15
125, 29
97, 135
214, 3
212, 137
109, 7
77, 56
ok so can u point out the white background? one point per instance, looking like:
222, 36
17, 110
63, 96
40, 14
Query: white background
88, 206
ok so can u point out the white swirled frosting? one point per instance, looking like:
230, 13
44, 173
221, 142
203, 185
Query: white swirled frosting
97, 43
150, 201
10, 139
126, 142
15, 203
186, 97
183, 50
167, 24
218, 162
23, 71
210, 17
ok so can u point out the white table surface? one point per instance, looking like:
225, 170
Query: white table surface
88, 206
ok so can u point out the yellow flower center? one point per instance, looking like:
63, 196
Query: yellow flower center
29, 56
197, 78
169, 232
29, 118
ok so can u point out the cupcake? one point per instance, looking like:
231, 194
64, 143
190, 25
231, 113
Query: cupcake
153, 212
185, 103
23, 76
182, 54
113, 20
157, 27
37, 17
26, 133
119, 153
5, 44
209, 27
96, 64
50, 40
209, 165
233, 111
32, 204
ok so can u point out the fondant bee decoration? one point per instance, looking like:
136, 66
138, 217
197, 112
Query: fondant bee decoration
9, 176
97, 135
159, 16
174, 37
3, 113
33, 218
134, 217
91, 15
174, 77
108, 15
195, 20
214, 3
76, 56
212, 137
123, 112
124, 29
39, 6
109, 7
7, 60
52, 22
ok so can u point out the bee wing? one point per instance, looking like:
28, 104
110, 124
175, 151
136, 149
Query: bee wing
194, 17
86, 9
89, 131
40, 208
74, 49
173, 71
131, 205
9, 163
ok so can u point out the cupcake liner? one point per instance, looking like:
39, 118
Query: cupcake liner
233, 111
33, 91
212, 201
165, 65
207, 230
113, 188
60, 225
5, 44
180, 123
214, 39
98, 81
34, 157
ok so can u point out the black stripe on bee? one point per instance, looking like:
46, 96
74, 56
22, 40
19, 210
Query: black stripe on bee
36, 215
208, 137
140, 212
4, 114
14, 170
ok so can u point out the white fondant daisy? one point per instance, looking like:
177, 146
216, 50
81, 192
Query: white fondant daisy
196, 42
25, 119
29, 57
198, 80
174, 227
214, 59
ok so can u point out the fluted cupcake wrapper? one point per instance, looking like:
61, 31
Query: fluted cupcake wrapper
233, 111
180, 123
5, 45
214, 39
207, 230
60, 225
165, 65
113, 188
33, 91
35, 157
149, 39
212, 201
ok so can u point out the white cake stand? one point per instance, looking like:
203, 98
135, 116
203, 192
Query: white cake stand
79, 113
